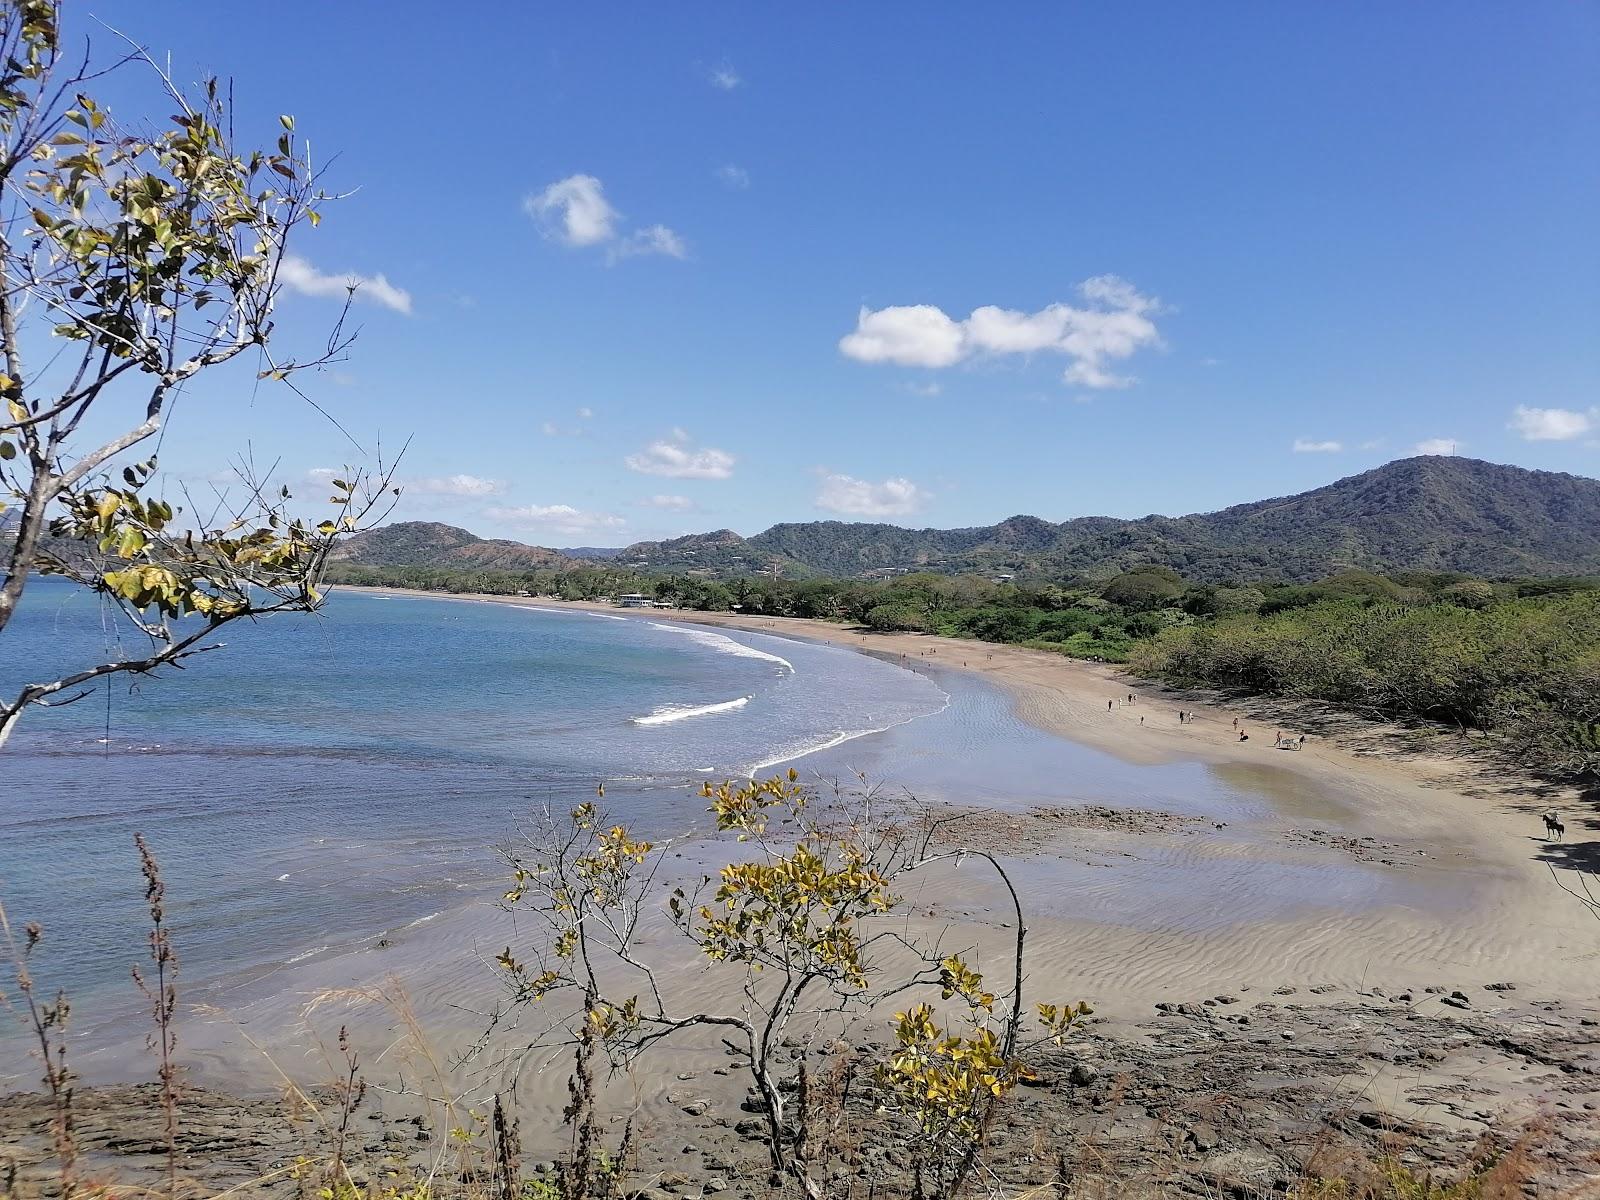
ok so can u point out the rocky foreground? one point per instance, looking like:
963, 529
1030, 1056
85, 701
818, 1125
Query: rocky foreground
1231, 1095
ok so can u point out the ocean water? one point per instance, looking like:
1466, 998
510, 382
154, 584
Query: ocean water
331, 778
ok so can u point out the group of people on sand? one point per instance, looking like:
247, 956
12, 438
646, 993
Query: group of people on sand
1185, 717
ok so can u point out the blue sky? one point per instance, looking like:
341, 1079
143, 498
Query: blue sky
639, 270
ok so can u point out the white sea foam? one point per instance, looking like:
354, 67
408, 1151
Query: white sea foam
669, 713
837, 739
844, 736
305, 954
422, 920
282, 877
718, 641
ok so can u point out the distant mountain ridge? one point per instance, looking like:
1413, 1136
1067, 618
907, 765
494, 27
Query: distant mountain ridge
1428, 513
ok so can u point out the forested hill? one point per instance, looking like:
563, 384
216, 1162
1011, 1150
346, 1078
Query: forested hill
1431, 513
1428, 513
431, 544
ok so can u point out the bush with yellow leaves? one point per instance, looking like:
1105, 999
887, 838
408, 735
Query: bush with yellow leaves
812, 932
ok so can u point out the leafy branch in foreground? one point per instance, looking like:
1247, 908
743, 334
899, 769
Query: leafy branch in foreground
811, 936
133, 259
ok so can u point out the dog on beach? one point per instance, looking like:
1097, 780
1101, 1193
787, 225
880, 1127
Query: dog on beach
1553, 826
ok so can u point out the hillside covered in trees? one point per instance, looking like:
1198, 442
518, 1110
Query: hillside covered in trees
1429, 513
431, 544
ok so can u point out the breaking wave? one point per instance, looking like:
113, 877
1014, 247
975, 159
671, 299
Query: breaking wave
669, 713
718, 641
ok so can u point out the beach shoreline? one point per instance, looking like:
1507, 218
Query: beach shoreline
1455, 822
1066, 697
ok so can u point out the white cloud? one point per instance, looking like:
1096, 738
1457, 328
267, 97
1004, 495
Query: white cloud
454, 485
735, 177
1437, 446
929, 389
298, 275
652, 239
1307, 446
574, 210
674, 457
672, 503
724, 77
911, 335
1552, 424
585, 413
895, 497
562, 519
1374, 443
1115, 323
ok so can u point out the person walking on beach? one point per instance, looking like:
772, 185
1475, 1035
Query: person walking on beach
1130, 697
1109, 703
1236, 722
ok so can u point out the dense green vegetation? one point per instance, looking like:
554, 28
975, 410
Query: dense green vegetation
1525, 667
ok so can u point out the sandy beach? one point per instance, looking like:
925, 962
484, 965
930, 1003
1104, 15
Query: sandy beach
1465, 838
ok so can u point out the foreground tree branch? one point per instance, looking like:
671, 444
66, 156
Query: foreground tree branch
141, 256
